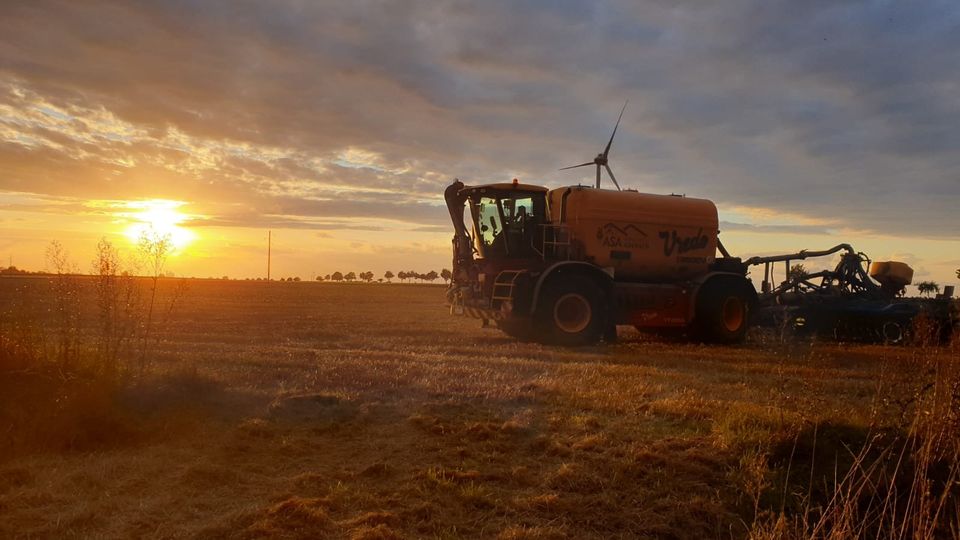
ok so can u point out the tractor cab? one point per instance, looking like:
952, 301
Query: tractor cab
499, 232
506, 219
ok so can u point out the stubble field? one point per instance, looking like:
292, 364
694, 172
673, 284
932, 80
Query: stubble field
307, 410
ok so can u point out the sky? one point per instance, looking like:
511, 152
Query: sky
336, 125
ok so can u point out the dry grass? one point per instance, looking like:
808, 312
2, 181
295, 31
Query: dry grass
304, 410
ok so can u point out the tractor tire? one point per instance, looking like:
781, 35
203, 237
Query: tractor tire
571, 312
893, 332
723, 311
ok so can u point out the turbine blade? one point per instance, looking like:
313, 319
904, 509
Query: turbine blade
612, 177
575, 166
606, 151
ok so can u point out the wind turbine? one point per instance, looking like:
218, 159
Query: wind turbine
602, 159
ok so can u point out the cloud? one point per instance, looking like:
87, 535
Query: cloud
298, 114
774, 229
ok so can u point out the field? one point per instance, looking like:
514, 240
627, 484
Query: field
306, 410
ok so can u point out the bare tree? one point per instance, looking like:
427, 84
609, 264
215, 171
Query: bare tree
117, 300
153, 248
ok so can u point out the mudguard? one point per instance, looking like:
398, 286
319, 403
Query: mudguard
579, 267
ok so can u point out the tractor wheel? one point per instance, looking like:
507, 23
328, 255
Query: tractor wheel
571, 312
892, 332
518, 328
723, 311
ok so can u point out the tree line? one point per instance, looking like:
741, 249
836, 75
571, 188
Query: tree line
388, 276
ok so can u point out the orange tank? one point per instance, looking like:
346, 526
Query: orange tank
641, 237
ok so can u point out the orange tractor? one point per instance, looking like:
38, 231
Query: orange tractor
567, 265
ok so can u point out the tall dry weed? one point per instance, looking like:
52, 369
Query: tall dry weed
898, 477
66, 294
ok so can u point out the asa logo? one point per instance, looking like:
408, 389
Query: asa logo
682, 244
629, 237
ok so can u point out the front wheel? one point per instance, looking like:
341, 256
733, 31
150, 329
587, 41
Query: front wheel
571, 312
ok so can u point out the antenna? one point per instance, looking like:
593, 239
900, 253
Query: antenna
602, 159
269, 242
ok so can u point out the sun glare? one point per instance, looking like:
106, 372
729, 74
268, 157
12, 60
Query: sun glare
158, 218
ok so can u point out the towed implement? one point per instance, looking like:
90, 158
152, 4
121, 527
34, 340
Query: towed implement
859, 300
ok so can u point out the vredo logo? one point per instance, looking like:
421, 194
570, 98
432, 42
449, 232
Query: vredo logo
682, 244
630, 236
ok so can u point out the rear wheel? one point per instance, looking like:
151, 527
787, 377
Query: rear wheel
571, 312
723, 310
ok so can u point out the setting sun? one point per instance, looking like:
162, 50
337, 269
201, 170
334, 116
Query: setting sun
158, 218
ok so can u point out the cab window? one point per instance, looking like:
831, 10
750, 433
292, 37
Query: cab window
490, 225
507, 225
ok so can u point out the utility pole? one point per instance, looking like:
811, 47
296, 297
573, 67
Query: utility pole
269, 241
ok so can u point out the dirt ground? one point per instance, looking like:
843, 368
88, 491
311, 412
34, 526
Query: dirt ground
309, 410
